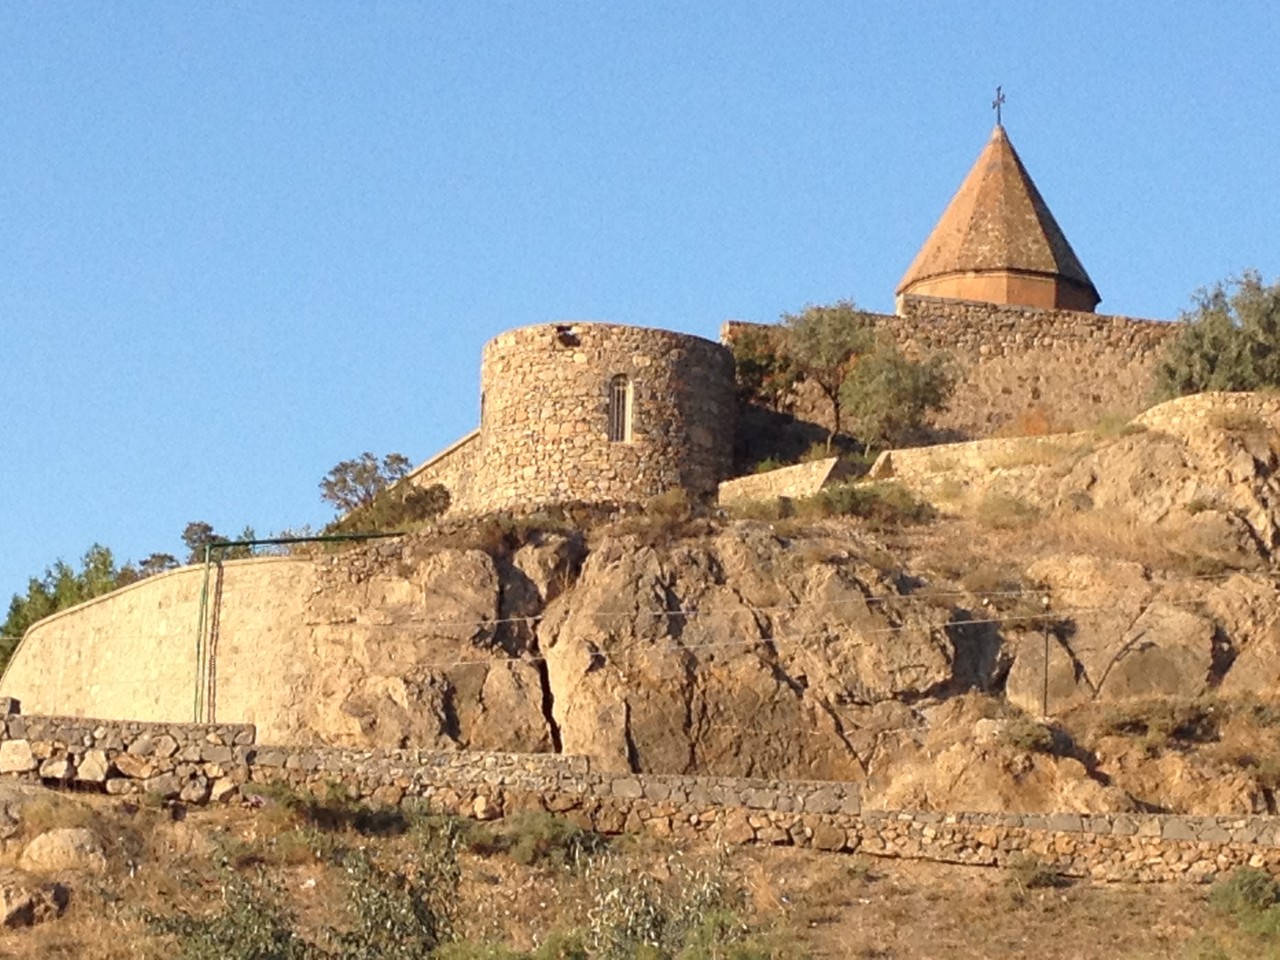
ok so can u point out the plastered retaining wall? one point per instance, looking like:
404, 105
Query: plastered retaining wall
201, 763
132, 652
1070, 367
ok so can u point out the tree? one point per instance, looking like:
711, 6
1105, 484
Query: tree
1230, 340
355, 483
822, 340
762, 371
887, 394
60, 587
197, 535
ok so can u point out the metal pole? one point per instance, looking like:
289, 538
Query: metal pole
1044, 629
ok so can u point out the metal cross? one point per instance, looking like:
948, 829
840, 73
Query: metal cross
996, 104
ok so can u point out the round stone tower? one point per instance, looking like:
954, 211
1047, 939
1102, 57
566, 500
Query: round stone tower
600, 412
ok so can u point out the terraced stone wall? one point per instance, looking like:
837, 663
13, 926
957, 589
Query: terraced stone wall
201, 763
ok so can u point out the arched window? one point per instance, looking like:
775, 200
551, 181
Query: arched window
620, 394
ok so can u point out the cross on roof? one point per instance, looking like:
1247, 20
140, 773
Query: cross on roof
997, 103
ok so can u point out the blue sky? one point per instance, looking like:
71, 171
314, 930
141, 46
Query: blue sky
242, 242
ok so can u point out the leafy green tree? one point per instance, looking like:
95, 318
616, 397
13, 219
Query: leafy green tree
355, 483
822, 341
61, 586
1230, 340
197, 535
887, 394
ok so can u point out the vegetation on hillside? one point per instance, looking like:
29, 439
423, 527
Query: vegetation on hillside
1230, 340
869, 385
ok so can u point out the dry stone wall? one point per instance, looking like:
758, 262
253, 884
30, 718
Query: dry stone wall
1066, 367
545, 415
210, 763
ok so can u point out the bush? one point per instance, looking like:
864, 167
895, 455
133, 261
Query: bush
251, 924
1004, 512
1252, 898
1230, 340
1162, 720
537, 837
884, 504
1023, 733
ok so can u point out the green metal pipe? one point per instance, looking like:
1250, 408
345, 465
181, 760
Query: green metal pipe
202, 670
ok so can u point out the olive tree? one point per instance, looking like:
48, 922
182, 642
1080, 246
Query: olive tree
822, 341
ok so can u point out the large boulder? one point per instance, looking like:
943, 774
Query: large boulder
64, 849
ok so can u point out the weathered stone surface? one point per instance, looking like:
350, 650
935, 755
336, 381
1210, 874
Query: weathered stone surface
16, 757
93, 767
57, 768
62, 849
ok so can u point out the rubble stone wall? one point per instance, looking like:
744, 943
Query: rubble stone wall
545, 415
202, 763
1065, 367
455, 469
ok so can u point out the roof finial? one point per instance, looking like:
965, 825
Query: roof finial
997, 103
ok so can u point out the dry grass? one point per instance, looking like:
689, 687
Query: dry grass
834, 905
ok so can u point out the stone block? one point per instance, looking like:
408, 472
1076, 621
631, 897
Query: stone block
93, 767
16, 757
827, 836
60, 768
166, 786
132, 765
628, 788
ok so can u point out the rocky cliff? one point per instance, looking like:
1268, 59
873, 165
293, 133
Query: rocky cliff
1125, 586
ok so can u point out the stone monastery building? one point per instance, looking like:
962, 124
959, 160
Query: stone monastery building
604, 412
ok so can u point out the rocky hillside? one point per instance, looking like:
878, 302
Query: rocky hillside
910, 656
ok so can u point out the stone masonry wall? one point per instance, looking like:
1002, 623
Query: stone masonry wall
455, 469
801, 480
201, 763
1070, 367
545, 415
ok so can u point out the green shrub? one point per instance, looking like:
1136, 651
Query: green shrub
1252, 898
1023, 733
1229, 341
885, 504
251, 924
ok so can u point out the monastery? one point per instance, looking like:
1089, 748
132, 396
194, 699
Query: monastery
601, 412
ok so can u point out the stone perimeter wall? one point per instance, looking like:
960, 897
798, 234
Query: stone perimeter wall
454, 468
201, 763
1070, 367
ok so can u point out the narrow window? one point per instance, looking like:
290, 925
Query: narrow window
620, 409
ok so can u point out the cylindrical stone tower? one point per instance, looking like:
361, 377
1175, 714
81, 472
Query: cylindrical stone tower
600, 412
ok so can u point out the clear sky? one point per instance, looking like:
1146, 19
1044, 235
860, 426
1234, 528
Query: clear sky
242, 242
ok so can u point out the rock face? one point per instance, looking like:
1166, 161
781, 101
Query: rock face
733, 657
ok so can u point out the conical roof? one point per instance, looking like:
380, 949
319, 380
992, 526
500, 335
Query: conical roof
998, 223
